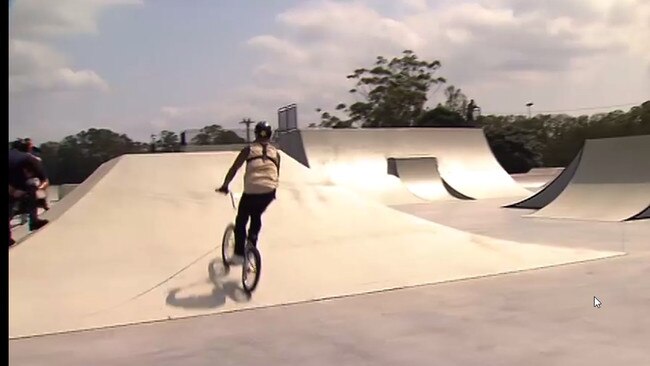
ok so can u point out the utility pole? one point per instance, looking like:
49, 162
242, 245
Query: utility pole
529, 104
248, 122
152, 147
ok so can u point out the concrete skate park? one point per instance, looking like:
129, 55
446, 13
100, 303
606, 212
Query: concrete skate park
384, 246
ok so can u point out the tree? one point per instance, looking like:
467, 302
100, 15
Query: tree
455, 100
554, 140
168, 141
327, 120
440, 117
79, 155
514, 147
394, 93
216, 135
50, 157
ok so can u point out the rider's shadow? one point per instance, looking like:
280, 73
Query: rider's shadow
221, 289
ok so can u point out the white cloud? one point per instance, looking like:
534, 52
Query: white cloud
35, 66
282, 48
415, 5
46, 18
57, 80
513, 45
26, 57
170, 111
345, 21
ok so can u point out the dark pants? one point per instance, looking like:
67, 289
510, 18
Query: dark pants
28, 204
253, 206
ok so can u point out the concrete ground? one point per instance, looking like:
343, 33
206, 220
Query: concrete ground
541, 317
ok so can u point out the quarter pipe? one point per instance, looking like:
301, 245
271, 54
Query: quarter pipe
421, 176
552, 189
611, 182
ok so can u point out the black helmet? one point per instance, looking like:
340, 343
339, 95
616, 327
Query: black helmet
263, 130
19, 145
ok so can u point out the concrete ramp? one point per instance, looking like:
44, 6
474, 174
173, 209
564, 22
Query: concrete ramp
346, 165
63, 204
643, 215
552, 189
611, 182
143, 245
421, 176
536, 178
357, 158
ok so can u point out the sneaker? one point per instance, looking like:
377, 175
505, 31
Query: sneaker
37, 225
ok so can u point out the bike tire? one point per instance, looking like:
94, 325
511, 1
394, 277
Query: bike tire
228, 245
252, 253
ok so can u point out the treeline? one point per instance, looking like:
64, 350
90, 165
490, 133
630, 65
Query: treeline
520, 143
75, 157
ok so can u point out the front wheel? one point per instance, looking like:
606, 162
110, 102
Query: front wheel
228, 245
252, 269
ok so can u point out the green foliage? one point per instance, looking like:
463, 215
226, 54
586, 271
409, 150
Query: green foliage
216, 135
440, 117
520, 143
168, 141
394, 93
74, 158
455, 100
329, 121
515, 145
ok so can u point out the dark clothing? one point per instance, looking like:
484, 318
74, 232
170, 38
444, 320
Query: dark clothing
23, 166
28, 204
253, 206
470, 112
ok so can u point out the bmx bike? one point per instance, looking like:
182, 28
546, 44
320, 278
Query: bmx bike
252, 266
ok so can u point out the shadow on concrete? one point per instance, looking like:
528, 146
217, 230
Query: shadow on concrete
222, 289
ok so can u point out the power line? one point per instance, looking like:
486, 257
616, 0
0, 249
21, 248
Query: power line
574, 109
589, 108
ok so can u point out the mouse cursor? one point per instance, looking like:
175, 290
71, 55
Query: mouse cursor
597, 302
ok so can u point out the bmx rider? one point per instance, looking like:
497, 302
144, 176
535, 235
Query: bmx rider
260, 184
23, 168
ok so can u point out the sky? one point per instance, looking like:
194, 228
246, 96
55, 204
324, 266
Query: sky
141, 66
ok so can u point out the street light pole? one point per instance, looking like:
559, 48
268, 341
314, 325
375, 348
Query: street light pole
529, 104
